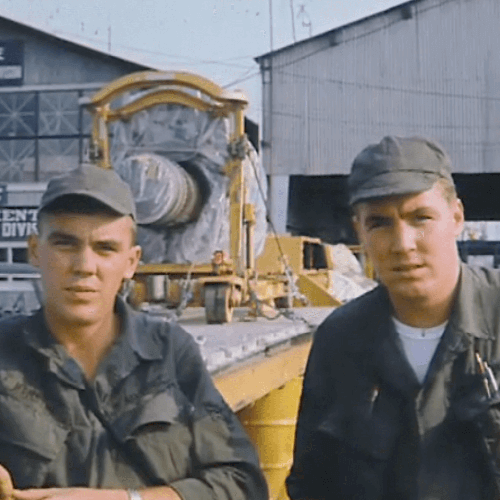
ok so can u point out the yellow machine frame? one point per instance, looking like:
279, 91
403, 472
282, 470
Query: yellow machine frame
225, 282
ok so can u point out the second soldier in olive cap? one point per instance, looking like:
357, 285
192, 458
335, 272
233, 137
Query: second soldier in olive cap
400, 394
98, 400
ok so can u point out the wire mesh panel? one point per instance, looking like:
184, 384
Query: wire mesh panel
17, 115
42, 133
17, 160
59, 114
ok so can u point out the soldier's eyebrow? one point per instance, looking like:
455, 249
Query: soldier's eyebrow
424, 209
375, 219
109, 244
62, 235
105, 243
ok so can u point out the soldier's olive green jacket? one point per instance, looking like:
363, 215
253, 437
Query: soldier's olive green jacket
151, 416
369, 430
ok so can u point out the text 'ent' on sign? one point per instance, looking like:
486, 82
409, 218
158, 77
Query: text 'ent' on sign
17, 223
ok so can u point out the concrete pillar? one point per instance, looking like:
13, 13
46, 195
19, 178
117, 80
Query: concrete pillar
278, 201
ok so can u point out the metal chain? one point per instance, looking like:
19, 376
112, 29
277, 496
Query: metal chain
293, 289
238, 148
186, 293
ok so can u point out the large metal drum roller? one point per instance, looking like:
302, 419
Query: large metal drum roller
165, 193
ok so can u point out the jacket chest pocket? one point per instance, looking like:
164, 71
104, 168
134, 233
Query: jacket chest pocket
369, 424
30, 440
158, 433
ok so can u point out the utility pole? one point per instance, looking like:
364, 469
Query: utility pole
271, 24
109, 32
293, 20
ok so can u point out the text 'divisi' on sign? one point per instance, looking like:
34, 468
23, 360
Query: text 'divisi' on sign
17, 223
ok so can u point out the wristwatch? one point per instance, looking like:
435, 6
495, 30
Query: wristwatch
134, 495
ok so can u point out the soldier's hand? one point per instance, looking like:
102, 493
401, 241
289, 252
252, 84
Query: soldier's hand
69, 494
6, 487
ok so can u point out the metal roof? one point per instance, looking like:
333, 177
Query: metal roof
405, 8
426, 67
77, 47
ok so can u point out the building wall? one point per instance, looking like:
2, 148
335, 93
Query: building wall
49, 60
430, 67
43, 130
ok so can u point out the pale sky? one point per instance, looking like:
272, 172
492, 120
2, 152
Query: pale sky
215, 38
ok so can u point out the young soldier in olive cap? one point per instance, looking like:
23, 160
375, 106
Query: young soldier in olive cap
394, 404
99, 401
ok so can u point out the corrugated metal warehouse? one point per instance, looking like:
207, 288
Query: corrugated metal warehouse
426, 67
43, 131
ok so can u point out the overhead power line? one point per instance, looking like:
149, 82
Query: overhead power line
293, 20
181, 59
242, 78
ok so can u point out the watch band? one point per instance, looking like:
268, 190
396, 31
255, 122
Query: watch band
133, 495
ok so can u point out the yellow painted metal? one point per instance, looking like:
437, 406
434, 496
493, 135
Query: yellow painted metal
270, 287
161, 97
143, 80
270, 260
230, 278
270, 423
315, 288
265, 393
313, 281
100, 136
237, 191
179, 269
249, 221
246, 383
168, 87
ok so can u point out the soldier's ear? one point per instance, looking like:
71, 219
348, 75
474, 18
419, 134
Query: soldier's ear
134, 257
458, 216
357, 228
33, 250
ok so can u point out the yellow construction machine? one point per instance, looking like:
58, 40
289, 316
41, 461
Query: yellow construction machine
229, 279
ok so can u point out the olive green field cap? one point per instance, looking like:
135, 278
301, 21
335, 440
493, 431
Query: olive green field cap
397, 166
103, 185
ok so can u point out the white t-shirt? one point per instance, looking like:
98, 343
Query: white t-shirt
419, 345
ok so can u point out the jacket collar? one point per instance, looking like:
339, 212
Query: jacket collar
469, 315
132, 344
468, 320
134, 326
471, 310
392, 364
